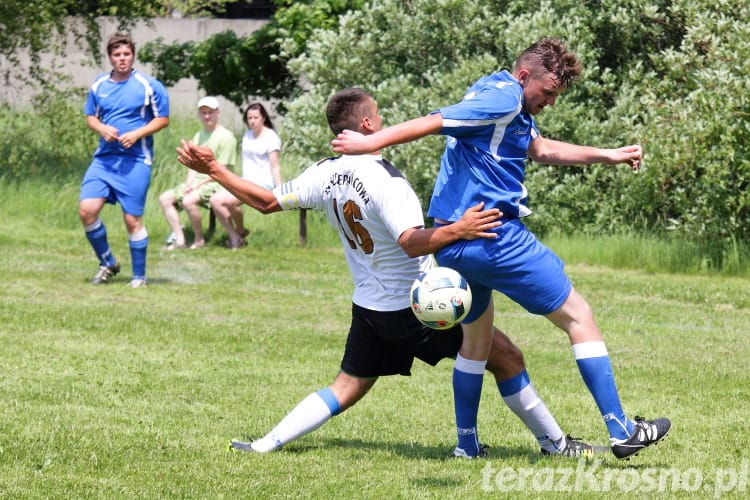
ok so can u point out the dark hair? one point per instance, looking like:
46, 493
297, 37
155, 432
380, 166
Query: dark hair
120, 39
259, 107
552, 56
346, 108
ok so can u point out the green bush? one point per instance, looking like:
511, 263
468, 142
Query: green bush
49, 141
671, 75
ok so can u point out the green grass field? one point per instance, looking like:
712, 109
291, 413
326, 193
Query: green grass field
120, 393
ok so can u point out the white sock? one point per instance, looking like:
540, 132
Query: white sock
95, 225
308, 415
532, 411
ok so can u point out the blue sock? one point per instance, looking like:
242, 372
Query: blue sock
595, 367
467, 389
514, 385
326, 394
138, 246
96, 233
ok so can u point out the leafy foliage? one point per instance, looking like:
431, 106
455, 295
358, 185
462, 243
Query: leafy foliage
414, 57
51, 144
241, 68
295, 21
42, 27
225, 64
669, 74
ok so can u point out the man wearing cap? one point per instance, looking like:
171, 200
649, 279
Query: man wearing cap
198, 188
125, 108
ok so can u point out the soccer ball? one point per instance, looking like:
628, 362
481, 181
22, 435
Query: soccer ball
440, 298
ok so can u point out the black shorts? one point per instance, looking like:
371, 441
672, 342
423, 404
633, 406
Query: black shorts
386, 343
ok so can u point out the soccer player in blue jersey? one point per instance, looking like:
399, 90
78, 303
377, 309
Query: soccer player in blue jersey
125, 108
380, 222
490, 133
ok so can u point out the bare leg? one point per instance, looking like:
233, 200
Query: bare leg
238, 220
221, 202
167, 201
191, 204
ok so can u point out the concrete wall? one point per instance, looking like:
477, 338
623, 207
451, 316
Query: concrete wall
183, 96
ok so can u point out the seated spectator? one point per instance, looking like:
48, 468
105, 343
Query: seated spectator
260, 164
198, 188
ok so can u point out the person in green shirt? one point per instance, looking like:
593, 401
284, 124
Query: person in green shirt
198, 188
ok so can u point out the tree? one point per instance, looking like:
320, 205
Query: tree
225, 64
670, 74
240, 67
39, 28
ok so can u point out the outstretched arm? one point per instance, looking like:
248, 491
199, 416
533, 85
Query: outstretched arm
353, 143
475, 223
562, 153
202, 159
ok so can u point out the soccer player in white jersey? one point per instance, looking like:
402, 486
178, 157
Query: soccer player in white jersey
490, 133
125, 108
381, 226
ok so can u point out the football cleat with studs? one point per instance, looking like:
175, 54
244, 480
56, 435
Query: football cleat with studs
645, 433
105, 273
138, 283
241, 446
461, 453
574, 448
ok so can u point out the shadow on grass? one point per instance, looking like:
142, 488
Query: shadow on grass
407, 450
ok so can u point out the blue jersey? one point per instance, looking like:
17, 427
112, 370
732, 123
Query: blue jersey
485, 153
126, 106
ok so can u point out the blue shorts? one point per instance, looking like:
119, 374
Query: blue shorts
515, 263
118, 179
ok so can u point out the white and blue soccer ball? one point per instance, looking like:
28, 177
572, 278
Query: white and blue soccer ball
440, 298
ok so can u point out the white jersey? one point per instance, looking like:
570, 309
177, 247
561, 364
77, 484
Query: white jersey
371, 204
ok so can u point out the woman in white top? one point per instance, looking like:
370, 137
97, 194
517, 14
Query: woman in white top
261, 146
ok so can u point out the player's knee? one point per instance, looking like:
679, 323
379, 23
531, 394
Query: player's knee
166, 199
578, 305
87, 215
215, 202
348, 390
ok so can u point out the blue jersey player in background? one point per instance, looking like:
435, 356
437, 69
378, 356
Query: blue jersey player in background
125, 108
491, 133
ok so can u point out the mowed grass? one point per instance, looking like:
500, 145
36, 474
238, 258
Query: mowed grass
112, 392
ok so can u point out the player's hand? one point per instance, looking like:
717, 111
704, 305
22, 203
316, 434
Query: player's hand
351, 143
195, 157
128, 139
109, 133
632, 155
477, 223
